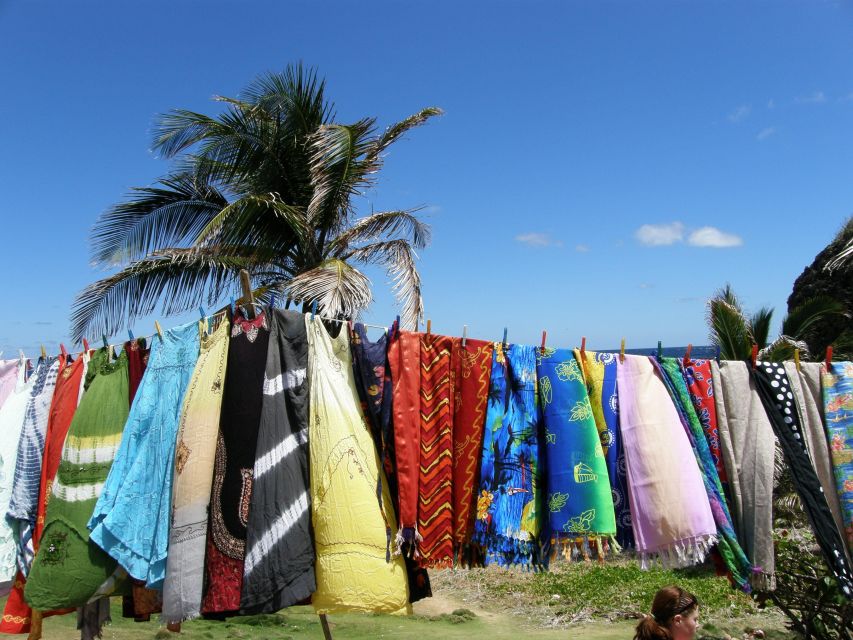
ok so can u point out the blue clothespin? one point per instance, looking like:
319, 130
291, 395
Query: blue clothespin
130, 335
233, 307
272, 300
106, 344
201, 312
718, 354
313, 309
660, 351
503, 342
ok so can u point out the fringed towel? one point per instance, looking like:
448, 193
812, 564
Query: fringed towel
838, 409
193, 477
747, 445
352, 529
577, 485
600, 372
68, 568
806, 386
727, 543
373, 383
509, 505
775, 391
472, 367
234, 463
671, 515
279, 565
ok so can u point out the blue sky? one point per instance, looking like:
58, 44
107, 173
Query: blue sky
589, 154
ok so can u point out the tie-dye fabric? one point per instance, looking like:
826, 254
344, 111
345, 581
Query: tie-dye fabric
838, 411
600, 370
733, 555
577, 485
509, 498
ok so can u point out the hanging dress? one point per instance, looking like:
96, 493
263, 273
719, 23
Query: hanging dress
131, 518
234, 463
12, 415
352, 525
193, 477
68, 569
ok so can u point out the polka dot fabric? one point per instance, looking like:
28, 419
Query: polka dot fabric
777, 396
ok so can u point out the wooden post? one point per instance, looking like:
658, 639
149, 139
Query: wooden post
327, 634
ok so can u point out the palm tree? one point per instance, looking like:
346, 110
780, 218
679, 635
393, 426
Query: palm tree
734, 332
267, 185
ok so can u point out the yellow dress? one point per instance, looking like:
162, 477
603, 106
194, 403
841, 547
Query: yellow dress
351, 532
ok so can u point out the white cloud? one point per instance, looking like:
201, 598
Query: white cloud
646, 285
818, 97
740, 114
713, 237
847, 98
581, 248
655, 235
771, 104
765, 133
538, 240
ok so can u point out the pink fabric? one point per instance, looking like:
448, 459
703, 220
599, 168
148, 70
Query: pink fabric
669, 507
8, 376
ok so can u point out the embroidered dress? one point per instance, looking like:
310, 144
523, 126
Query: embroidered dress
600, 372
354, 568
774, 388
234, 463
193, 477
727, 543
509, 499
670, 510
577, 485
838, 409
472, 365
68, 569
373, 383
12, 415
279, 564
131, 518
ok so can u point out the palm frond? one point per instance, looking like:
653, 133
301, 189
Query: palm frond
340, 290
155, 217
257, 220
396, 131
729, 329
297, 95
802, 319
841, 259
783, 348
759, 326
398, 258
180, 278
384, 224
180, 129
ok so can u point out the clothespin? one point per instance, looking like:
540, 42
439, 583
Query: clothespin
687, 354
583, 348
313, 309
106, 344
64, 354
660, 351
247, 290
544, 334
429, 327
272, 300
829, 357
159, 329
503, 342
464, 334
201, 312
718, 354
85, 345
43, 353
622, 351
233, 307
797, 358
754, 355
130, 335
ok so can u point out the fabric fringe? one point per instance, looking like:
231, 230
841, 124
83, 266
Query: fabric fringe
680, 554
510, 552
586, 548
761, 581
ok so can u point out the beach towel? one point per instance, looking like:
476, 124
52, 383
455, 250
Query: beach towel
373, 383
131, 518
279, 565
671, 515
68, 568
472, 367
193, 477
747, 445
806, 387
774, 388
700, 383
576, 482
729, 548
355, 569
509, 497
234, 463
838, 410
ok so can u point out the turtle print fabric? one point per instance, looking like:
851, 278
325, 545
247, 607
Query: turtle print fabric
838, 408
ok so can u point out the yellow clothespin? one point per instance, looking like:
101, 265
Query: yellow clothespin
43, 353
797, 358
622, 351
159, 330
247, 290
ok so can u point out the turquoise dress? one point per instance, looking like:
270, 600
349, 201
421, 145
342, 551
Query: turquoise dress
131, 519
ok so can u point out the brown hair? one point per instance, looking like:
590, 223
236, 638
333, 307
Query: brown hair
668, 603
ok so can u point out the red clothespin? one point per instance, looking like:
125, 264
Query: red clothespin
63, 352
85, 345
829, 357
687, 354
754, 354
544, 334
583, 349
